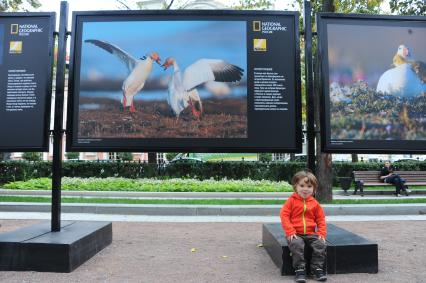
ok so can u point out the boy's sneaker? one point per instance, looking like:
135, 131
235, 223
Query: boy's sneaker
320, 275
300, 276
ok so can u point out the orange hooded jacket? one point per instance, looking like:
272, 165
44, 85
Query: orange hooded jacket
299, 216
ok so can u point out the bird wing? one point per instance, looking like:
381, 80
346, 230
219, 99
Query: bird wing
419, 68
205, 70
125, 57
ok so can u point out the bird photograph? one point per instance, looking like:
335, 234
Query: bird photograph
377, 82
182, 85
139, 70
162, 79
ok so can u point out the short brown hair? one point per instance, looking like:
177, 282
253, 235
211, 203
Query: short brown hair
311, 179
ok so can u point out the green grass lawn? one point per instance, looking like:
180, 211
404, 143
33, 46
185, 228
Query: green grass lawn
226, 156
198, 201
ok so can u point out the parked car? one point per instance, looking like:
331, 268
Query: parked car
406, 160
186, 160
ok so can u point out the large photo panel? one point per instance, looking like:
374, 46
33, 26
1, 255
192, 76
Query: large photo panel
185, 80
374, 83
26, 59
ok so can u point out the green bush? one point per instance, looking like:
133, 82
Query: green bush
154, 185
72, 155
274, 171
32, 156
125, 156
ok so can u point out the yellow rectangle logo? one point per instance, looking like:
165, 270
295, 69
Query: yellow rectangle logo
259, 44
15, 47
14, 29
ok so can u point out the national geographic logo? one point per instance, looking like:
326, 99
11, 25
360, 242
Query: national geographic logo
256, 26
268, 27
25, 29
259, 44
15, 47
14, 29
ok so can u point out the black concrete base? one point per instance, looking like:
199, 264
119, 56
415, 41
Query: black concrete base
346, 251
36, 248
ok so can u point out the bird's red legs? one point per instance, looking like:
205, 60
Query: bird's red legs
124, 102
132, 107
195, 112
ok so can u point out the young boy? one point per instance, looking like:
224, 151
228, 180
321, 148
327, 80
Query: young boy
303, 220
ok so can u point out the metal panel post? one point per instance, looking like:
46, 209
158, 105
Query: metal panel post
307, 20
59, 114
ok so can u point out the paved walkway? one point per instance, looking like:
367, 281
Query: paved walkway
224, 252
199, 219
197, 195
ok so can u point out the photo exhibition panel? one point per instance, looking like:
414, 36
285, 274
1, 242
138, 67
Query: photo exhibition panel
185, 80
26, 59
373, 83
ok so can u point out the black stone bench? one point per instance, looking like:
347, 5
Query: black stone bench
37, 248
346, 251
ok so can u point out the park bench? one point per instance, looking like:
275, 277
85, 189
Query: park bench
372, 178
346, 252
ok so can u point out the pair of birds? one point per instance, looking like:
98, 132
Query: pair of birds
182, 90
407, 78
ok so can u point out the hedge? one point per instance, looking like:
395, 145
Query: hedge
274, 171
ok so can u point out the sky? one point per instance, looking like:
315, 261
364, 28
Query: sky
183, 40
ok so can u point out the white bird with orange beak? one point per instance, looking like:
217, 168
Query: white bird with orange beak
139, 70
182, 88
407, 78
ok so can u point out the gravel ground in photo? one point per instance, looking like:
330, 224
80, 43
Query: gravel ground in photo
225, 252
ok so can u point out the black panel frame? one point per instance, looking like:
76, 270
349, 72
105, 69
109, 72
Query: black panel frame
396, 146
190, 145
44, 147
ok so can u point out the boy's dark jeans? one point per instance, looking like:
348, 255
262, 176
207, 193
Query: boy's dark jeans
297, 248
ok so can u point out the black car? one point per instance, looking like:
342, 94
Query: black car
186, 160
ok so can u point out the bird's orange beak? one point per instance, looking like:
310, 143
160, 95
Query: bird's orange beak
167, 63
155, 57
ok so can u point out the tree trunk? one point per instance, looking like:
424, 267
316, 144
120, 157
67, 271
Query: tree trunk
292, 156
328, 6
354, 157
324, 160
4, 156
152, 157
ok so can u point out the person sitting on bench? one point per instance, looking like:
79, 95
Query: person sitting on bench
387, 175
303, 221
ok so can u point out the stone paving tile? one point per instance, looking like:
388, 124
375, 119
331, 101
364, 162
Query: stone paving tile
225, 252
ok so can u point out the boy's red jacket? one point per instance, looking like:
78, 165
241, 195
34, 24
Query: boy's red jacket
299, 216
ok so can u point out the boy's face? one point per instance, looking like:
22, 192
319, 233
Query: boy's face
304, 189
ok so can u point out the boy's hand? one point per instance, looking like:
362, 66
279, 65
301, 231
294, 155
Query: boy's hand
290, 238
322, 238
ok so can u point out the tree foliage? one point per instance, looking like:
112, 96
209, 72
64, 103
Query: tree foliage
72, 155
176, 4
32, 156
253, 5
171, 155
408, 7
125, 156
265, 157
17, 5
